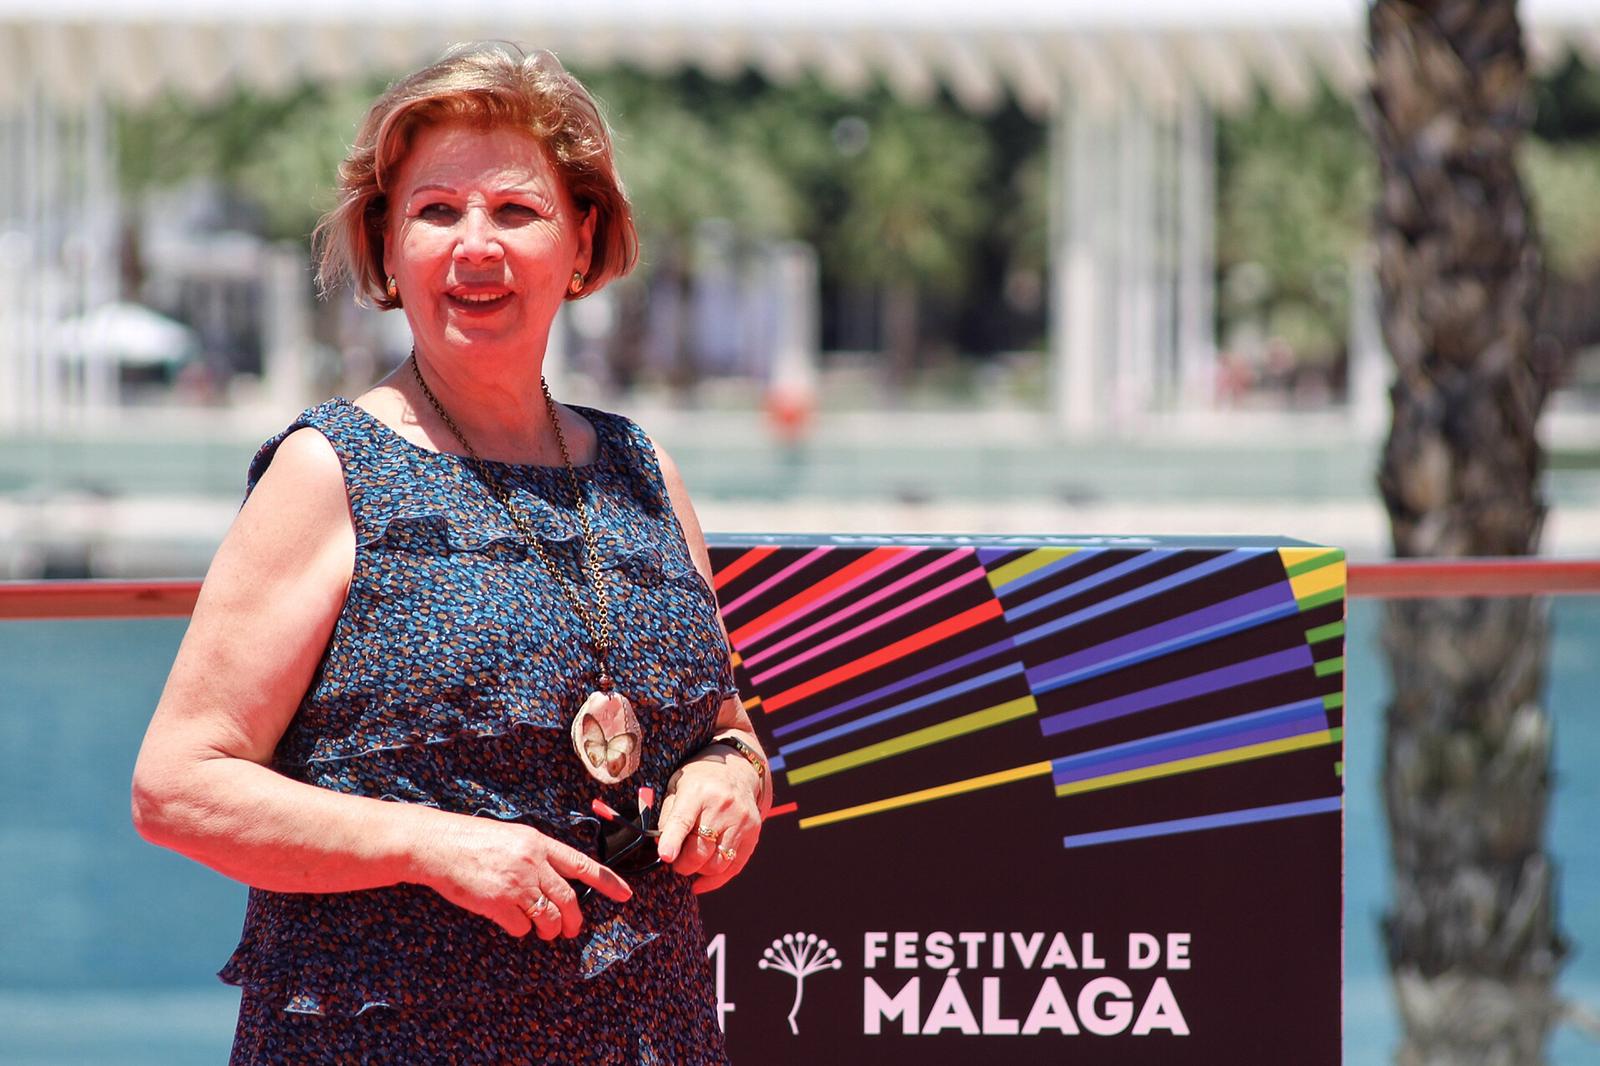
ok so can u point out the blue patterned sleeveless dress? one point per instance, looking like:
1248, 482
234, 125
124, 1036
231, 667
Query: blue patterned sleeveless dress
450, 680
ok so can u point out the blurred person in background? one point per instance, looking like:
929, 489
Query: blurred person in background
460, 640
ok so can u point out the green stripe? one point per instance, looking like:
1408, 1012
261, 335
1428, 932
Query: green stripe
1337, 734
1333, 595
1327, 632
1333, 701
1338, 768
921, 738
1329, 666
1039, 557
1316, 562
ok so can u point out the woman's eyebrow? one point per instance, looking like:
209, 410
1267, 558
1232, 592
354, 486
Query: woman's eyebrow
532, 189
432, 187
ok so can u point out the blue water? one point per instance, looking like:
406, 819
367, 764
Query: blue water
107, 945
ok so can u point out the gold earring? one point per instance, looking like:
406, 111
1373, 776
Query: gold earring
575, 286
392, 289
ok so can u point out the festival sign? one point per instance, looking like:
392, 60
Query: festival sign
1038, 800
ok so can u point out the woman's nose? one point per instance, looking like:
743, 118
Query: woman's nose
478, 240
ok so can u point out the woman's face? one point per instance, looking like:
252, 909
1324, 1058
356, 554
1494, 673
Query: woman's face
482, 240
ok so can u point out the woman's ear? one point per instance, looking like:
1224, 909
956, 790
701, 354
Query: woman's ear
585, 241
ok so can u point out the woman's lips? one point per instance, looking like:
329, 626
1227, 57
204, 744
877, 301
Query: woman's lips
478, 301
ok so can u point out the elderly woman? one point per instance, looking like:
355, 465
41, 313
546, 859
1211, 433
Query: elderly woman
460, 647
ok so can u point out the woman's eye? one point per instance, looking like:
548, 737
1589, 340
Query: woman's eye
518, 212
437, 212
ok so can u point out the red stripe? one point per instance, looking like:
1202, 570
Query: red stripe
801, 600
1402, 579
916, 642
782, 808
740, 565
97, 599
1395, 579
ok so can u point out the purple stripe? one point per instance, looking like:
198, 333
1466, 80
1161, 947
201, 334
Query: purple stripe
1294, 728
1222, 727
1183, 625
1280, 662
897, 686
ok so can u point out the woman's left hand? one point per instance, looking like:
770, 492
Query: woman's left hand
711, 817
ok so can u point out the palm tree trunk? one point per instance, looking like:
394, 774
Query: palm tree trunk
1472, 936
900, 335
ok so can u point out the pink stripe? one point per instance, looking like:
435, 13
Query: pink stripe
939, 563
799, 564
860, 579
882, 620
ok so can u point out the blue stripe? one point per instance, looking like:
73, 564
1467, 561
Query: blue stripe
1110, 573
1166, 647
1184, 688
895, 686
1143, 592
1064, 563
1326, 805
888, 713
1241, 723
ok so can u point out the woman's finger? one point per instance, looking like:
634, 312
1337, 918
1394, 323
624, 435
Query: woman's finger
574, 865
563, 895
699, 848
545, 915
673, 827
513, 920
733, 852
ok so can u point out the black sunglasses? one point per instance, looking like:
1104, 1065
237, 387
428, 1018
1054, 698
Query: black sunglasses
625, 841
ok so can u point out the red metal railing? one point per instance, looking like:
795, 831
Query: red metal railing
1394, 579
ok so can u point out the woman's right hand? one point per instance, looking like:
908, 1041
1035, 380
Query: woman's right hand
502, 869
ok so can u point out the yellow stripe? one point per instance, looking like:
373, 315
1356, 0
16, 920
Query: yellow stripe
1319, 580
736, 660
954, 788
920, 738
1028, 564
1293, 557
1199, 762
752, 703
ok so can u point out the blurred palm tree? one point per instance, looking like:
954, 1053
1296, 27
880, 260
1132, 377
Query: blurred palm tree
1472, 937
913, 211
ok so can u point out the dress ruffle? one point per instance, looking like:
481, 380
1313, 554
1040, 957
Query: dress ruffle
450, 680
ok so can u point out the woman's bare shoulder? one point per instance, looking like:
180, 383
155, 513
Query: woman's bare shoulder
304, 466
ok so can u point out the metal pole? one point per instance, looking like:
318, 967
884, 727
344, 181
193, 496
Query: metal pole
1197, 344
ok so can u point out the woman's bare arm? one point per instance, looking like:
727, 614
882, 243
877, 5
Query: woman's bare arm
202, 785
735, 798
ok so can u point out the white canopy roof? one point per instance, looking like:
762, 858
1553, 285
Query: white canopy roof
1161, 49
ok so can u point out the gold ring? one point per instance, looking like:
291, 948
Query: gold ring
707, 832
536, 911
728, 853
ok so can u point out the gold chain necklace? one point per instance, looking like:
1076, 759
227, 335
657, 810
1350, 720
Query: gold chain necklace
605, 731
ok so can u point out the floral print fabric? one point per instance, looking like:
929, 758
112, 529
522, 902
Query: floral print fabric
450, 680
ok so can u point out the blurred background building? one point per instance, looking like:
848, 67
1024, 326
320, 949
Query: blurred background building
1047, 265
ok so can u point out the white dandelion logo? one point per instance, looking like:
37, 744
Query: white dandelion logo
799, 955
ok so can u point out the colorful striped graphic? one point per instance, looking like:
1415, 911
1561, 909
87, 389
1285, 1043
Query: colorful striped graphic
894, 675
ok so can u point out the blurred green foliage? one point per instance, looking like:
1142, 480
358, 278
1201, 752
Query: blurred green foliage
1294, 192
1564, 182
276, 152
923, 196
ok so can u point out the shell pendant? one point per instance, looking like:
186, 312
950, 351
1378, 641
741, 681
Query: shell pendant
606, 736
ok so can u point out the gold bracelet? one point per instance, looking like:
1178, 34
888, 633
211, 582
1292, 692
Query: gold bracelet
752, 756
